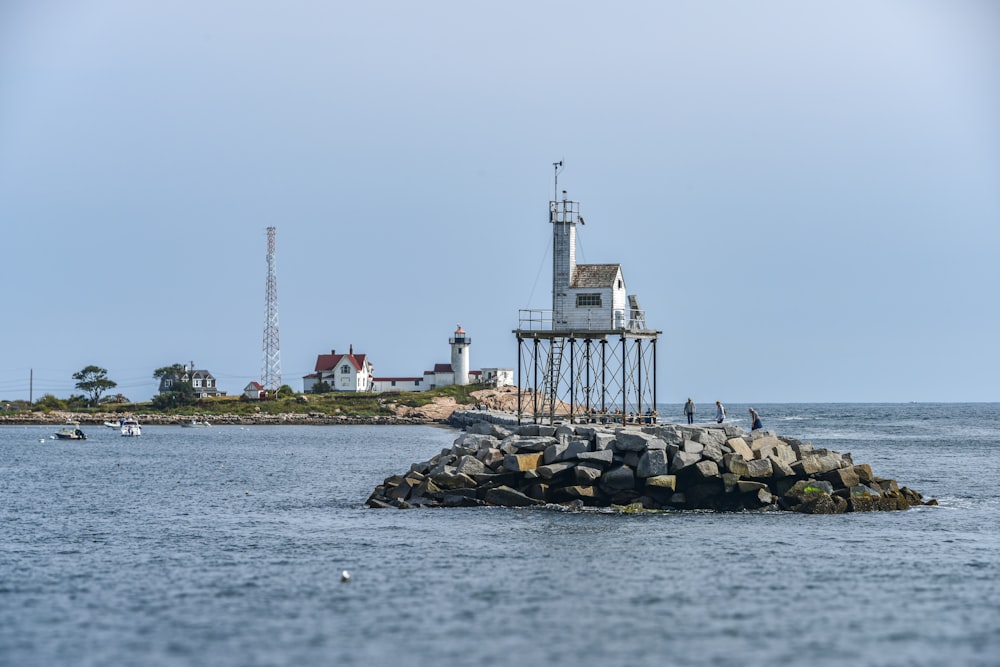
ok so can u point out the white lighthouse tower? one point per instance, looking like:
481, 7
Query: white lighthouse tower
460, 355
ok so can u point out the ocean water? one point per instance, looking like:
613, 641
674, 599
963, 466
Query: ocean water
225, 546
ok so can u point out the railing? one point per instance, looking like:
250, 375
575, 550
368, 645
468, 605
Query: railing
534, 320
529, 319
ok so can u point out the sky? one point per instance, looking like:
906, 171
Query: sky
804, 195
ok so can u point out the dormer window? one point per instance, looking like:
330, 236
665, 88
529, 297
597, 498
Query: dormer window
345, 369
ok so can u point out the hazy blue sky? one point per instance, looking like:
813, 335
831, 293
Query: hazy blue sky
805, 195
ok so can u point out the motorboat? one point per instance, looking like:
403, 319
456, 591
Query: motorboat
194, 423
130, 427
71, 431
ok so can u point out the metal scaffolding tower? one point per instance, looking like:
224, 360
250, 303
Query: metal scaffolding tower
271, 371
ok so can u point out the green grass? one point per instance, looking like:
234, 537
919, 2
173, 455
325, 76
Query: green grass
348, 404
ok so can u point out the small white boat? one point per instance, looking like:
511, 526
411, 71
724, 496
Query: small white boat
194, 423
130, 428
70, 432
112, 424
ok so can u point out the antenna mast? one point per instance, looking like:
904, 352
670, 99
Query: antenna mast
271, 372
557, 166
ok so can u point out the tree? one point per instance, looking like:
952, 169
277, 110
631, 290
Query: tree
93, 380
321, 387
284, 391
175, 371
181, 393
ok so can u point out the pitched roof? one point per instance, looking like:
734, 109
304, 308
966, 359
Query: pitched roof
327, 362
443, 368
595, 275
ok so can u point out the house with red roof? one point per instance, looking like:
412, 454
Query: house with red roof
341, 372
255, 391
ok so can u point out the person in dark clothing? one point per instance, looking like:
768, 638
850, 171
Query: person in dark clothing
689, 411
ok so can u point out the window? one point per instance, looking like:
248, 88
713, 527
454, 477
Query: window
393, 383
588, 300
345, 369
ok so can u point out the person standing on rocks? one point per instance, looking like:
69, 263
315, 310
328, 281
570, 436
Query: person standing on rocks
720, 412
755, 420
689, 410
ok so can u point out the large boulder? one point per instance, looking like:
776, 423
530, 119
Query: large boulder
740, 446
601, 456
652, 463
633, 441
522, 462
508, 497
565, 452
682, 460
620, 478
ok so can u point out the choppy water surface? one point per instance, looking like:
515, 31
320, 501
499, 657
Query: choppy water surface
224, 546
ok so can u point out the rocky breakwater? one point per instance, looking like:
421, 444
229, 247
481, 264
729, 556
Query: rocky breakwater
668, 467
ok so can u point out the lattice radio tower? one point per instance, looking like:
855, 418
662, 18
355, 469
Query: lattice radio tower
271, 371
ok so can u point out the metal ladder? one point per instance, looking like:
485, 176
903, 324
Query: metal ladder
553, 368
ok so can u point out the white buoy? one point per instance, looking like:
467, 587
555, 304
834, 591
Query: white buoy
345, 576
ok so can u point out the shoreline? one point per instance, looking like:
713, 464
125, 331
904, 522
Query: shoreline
263, 419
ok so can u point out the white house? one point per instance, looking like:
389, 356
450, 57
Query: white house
342, 372
255, 391
351, 372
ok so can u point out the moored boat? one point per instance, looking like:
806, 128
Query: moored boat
194, 423
71, 431
130, 427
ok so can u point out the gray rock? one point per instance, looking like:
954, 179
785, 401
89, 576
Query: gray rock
602, 456
586, 474
692, 447
779, 468
682, 460
552, 469
707, 469
621, 478
491, 457
736, 464
712, 436
663, 482
565, 452
533, 444
759, 469
477, 441
652, 463
604, 440
632, 441
450, 480
740, 446
842, 478
565, 432
470, 465
712, 452
508, 497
